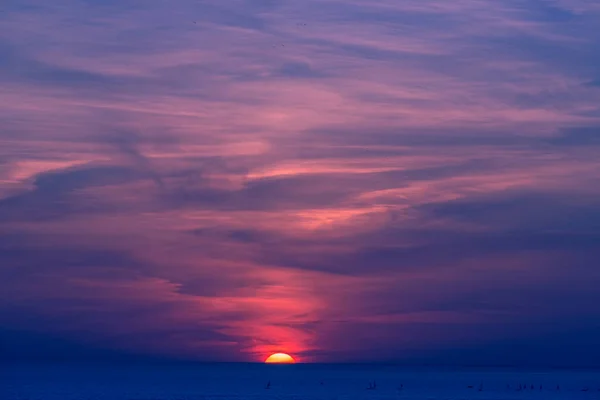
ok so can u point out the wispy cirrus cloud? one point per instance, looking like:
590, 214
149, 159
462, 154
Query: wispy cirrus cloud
222, 180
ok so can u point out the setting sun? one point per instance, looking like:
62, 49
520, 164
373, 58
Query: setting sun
280, 358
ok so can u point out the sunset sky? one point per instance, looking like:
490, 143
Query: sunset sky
415, 181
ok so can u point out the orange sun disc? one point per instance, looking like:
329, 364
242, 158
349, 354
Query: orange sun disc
280, 358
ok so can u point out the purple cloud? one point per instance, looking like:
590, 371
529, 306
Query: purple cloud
219, 181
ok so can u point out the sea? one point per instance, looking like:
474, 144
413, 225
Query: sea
289, 382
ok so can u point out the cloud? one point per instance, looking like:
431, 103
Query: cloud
127, 143
584, 136
19, 346
422, 174
55, 194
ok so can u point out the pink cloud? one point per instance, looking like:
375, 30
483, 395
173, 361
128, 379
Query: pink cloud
257, 185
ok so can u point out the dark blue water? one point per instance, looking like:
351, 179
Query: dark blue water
287, 382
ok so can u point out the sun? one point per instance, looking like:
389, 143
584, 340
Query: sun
280, 358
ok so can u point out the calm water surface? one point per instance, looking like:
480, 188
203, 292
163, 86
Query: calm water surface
288, 382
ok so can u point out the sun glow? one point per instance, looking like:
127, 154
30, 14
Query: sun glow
280, 358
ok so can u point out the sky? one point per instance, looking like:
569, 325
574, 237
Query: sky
411, 181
